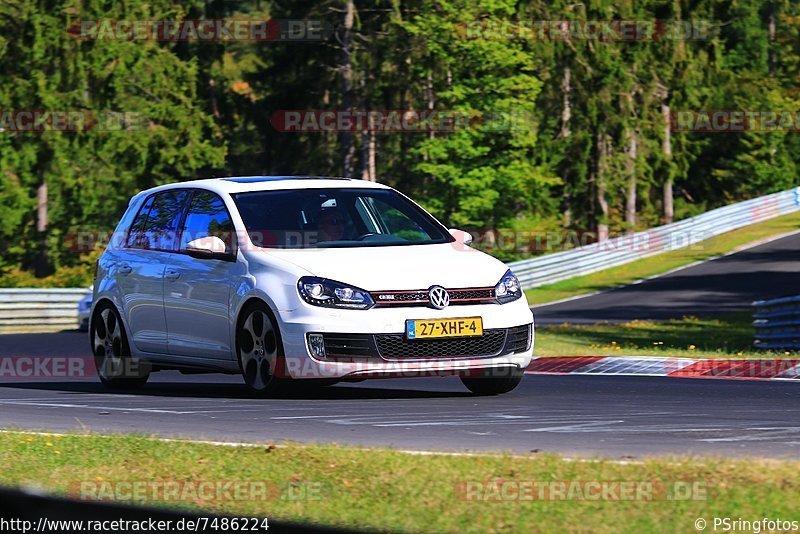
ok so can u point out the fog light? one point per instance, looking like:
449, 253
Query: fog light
316, 345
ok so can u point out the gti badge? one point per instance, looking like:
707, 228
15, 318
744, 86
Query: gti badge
438, 297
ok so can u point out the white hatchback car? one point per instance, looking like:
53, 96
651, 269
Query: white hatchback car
284, 279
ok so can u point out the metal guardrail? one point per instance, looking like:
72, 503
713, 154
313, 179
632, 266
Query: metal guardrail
32, 310
588, 259
777, 323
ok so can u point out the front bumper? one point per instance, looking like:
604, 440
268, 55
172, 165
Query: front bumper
384, 352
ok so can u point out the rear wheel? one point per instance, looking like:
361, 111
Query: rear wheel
112, 356
259, 350
493, 381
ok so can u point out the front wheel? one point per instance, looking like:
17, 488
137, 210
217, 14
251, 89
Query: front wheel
259, 350
493, 381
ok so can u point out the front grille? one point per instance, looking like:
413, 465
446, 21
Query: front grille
419, 297
410, 296
357, 347
396, 346
482, 293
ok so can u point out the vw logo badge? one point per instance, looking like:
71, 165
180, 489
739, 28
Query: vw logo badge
438, 297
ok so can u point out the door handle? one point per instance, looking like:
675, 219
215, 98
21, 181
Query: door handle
124, 269
172, 275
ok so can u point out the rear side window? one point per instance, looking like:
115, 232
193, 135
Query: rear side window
156, 225
136, 232
207, 217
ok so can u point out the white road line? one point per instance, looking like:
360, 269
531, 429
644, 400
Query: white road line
766, 435
166, 440
117, 409
309, 416
455, 420
422, 452
579, 427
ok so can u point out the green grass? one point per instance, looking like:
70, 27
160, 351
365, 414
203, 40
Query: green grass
389, 490
725, 336
661, 263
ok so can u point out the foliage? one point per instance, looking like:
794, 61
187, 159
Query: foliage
584, 146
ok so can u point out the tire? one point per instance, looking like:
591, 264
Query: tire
112, 355
259, 350
493, 381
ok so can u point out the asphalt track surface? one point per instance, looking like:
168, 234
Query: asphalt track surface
727, 284
609, 416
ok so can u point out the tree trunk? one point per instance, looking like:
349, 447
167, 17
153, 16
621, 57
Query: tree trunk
430, 101
212, 91
41, 207
373, 177
669, 211
365, 154
602, 201
566, 113
346, 137
566, 210
368, 156
630, 196
566, 110
771, 34
42, 263
366, 133
431, 104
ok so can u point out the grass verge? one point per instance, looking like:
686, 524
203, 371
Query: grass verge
725, 336
389, 490
661, 263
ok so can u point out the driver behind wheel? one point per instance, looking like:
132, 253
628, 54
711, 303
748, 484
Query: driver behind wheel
331, 225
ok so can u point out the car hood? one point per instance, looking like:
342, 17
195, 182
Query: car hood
396, 268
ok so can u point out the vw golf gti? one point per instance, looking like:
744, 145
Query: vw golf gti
292, 280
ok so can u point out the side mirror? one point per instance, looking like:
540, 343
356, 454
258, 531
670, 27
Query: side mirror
461, 236
208, 248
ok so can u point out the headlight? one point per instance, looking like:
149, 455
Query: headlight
330, 294
507, 289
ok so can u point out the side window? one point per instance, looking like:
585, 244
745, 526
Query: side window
208, 217
158, 229
136, 232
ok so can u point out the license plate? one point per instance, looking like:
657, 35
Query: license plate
434, 328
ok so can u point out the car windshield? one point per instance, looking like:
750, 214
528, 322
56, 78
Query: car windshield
347, 217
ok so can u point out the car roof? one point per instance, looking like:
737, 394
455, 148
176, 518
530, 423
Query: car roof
243, 184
